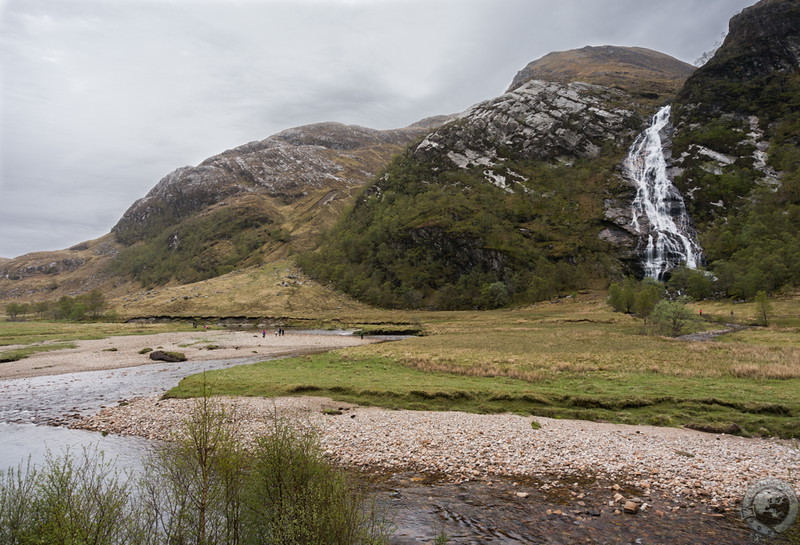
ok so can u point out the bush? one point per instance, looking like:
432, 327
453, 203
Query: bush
295, 496
71, 500
204, 488
639, 298
670, 317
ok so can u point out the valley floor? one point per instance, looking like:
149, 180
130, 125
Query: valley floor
197, 345
660, 468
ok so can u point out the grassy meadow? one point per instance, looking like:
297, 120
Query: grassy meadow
571, 359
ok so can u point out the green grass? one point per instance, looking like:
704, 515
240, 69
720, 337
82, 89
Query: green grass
568, 360
614, 396
20, 353
25, 333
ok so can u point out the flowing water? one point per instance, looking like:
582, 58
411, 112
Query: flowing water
659, 213
422, 508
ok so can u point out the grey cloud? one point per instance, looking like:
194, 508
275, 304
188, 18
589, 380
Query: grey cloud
99, 100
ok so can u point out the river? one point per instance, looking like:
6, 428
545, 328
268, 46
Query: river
34, 411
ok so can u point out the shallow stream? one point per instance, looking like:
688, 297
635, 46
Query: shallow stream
32, 411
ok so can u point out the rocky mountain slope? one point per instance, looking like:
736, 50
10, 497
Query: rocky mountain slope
255, 203
506, 202
737, 151
523, 196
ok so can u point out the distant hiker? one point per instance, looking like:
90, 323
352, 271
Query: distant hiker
263, 333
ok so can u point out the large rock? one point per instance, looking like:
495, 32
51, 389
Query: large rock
171, 357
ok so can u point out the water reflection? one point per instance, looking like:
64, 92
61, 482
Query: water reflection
22, 442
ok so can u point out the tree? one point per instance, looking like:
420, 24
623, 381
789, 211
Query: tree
15, 310
763, 308
622, 297
647, 297
671, 317
95, 303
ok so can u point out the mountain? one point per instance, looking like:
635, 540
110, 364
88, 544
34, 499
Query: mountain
517, 199
736, 150
524, 196
513, 201
252, 204
636, 70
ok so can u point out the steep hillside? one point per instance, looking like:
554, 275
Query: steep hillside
737, 151
42, 276
508, 202
255, 203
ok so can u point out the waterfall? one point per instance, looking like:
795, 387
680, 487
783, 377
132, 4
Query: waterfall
659, 213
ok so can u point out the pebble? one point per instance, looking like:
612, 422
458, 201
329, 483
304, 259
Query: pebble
467, 446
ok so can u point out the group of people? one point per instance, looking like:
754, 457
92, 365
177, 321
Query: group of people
280, 332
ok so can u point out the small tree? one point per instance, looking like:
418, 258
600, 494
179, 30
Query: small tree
670, 317
95, 303
647, 297
191, 491
15, 311
622, 297
763, 308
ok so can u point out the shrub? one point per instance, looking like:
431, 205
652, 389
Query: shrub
670, 317
71, 500
203, 488
295, 496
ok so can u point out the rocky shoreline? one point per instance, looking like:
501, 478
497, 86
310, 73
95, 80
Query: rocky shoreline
640, 467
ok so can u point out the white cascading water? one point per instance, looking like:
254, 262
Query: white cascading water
659, 213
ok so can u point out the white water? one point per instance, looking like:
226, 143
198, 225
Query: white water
659, 213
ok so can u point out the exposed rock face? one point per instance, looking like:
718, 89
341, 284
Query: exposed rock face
286, 167
761, 40
545, 121
538, 120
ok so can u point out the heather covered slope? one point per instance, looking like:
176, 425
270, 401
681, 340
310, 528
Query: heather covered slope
253, 204
637, 70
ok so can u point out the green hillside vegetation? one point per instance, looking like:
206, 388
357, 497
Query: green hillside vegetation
426, 237
201, 246
751, 242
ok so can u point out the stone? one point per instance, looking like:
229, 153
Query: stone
170, 357
631, 507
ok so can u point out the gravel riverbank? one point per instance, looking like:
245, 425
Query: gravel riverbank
198, 345
687, 467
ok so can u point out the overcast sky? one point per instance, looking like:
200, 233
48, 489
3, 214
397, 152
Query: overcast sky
99, 99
